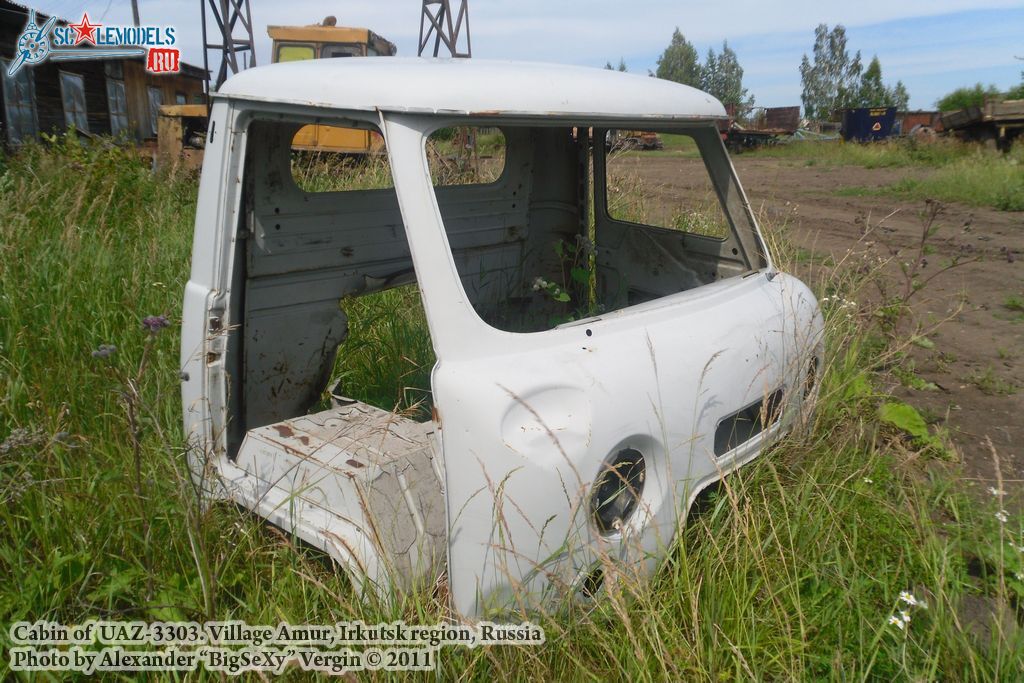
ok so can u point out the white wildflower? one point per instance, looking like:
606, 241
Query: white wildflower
905, 616
1003, 516
908, 598
868, 480
540, 283
995, 492
1019, 576
897, 622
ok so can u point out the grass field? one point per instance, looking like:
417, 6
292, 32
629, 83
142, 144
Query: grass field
970, 174
792, 570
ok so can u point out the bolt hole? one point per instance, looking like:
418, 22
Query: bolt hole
277, 227
735, 251
590, 333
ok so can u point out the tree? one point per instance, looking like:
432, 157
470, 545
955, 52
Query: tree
608, 65
900, 97
831, 82
872, 90
622, 65
722, 76
874, 93
962, 98
679, 61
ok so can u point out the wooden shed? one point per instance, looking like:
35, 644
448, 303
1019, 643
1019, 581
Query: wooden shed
99, 97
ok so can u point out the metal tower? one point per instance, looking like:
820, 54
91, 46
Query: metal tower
436, 22
232, 21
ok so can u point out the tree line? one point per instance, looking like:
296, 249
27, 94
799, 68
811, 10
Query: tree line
832, 78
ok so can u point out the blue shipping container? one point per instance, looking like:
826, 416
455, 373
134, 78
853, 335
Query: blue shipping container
868, 123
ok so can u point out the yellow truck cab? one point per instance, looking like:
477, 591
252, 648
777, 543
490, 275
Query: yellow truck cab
326, 41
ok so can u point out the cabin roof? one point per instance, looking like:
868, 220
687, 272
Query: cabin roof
471, 87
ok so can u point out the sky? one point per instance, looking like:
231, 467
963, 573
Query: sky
933, 46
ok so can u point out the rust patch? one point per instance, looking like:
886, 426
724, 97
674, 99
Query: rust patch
284, 431
304, 440
354, 463
435, 415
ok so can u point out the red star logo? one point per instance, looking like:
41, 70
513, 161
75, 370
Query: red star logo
84, 30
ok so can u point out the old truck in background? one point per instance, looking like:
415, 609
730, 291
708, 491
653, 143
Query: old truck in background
326, 40
181, 129
996, 123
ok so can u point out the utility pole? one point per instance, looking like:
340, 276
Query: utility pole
231, 23
135, 12
436, 21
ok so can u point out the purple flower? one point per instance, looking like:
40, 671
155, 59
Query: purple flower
155, 323
104, 351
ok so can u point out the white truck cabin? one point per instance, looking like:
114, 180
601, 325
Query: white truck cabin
596, 368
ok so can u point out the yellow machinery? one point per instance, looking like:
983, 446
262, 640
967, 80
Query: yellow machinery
326, 41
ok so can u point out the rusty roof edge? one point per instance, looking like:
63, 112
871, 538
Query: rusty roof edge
491, 113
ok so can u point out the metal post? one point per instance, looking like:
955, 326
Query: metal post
436, 22
233, 20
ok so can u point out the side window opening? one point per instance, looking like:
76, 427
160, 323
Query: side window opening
332, 50
330, 158
659, 180
583, 222
661, 226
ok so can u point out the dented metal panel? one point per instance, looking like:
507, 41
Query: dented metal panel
372, 468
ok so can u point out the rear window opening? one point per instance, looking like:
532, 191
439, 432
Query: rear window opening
332, 315
328, 158
466, 155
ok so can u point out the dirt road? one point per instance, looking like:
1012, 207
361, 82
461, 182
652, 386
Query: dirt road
977, 364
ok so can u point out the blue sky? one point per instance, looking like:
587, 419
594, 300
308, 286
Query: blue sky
933, 46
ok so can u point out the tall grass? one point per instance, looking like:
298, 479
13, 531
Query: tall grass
790, 571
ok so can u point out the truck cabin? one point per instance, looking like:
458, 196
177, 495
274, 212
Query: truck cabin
610, 333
